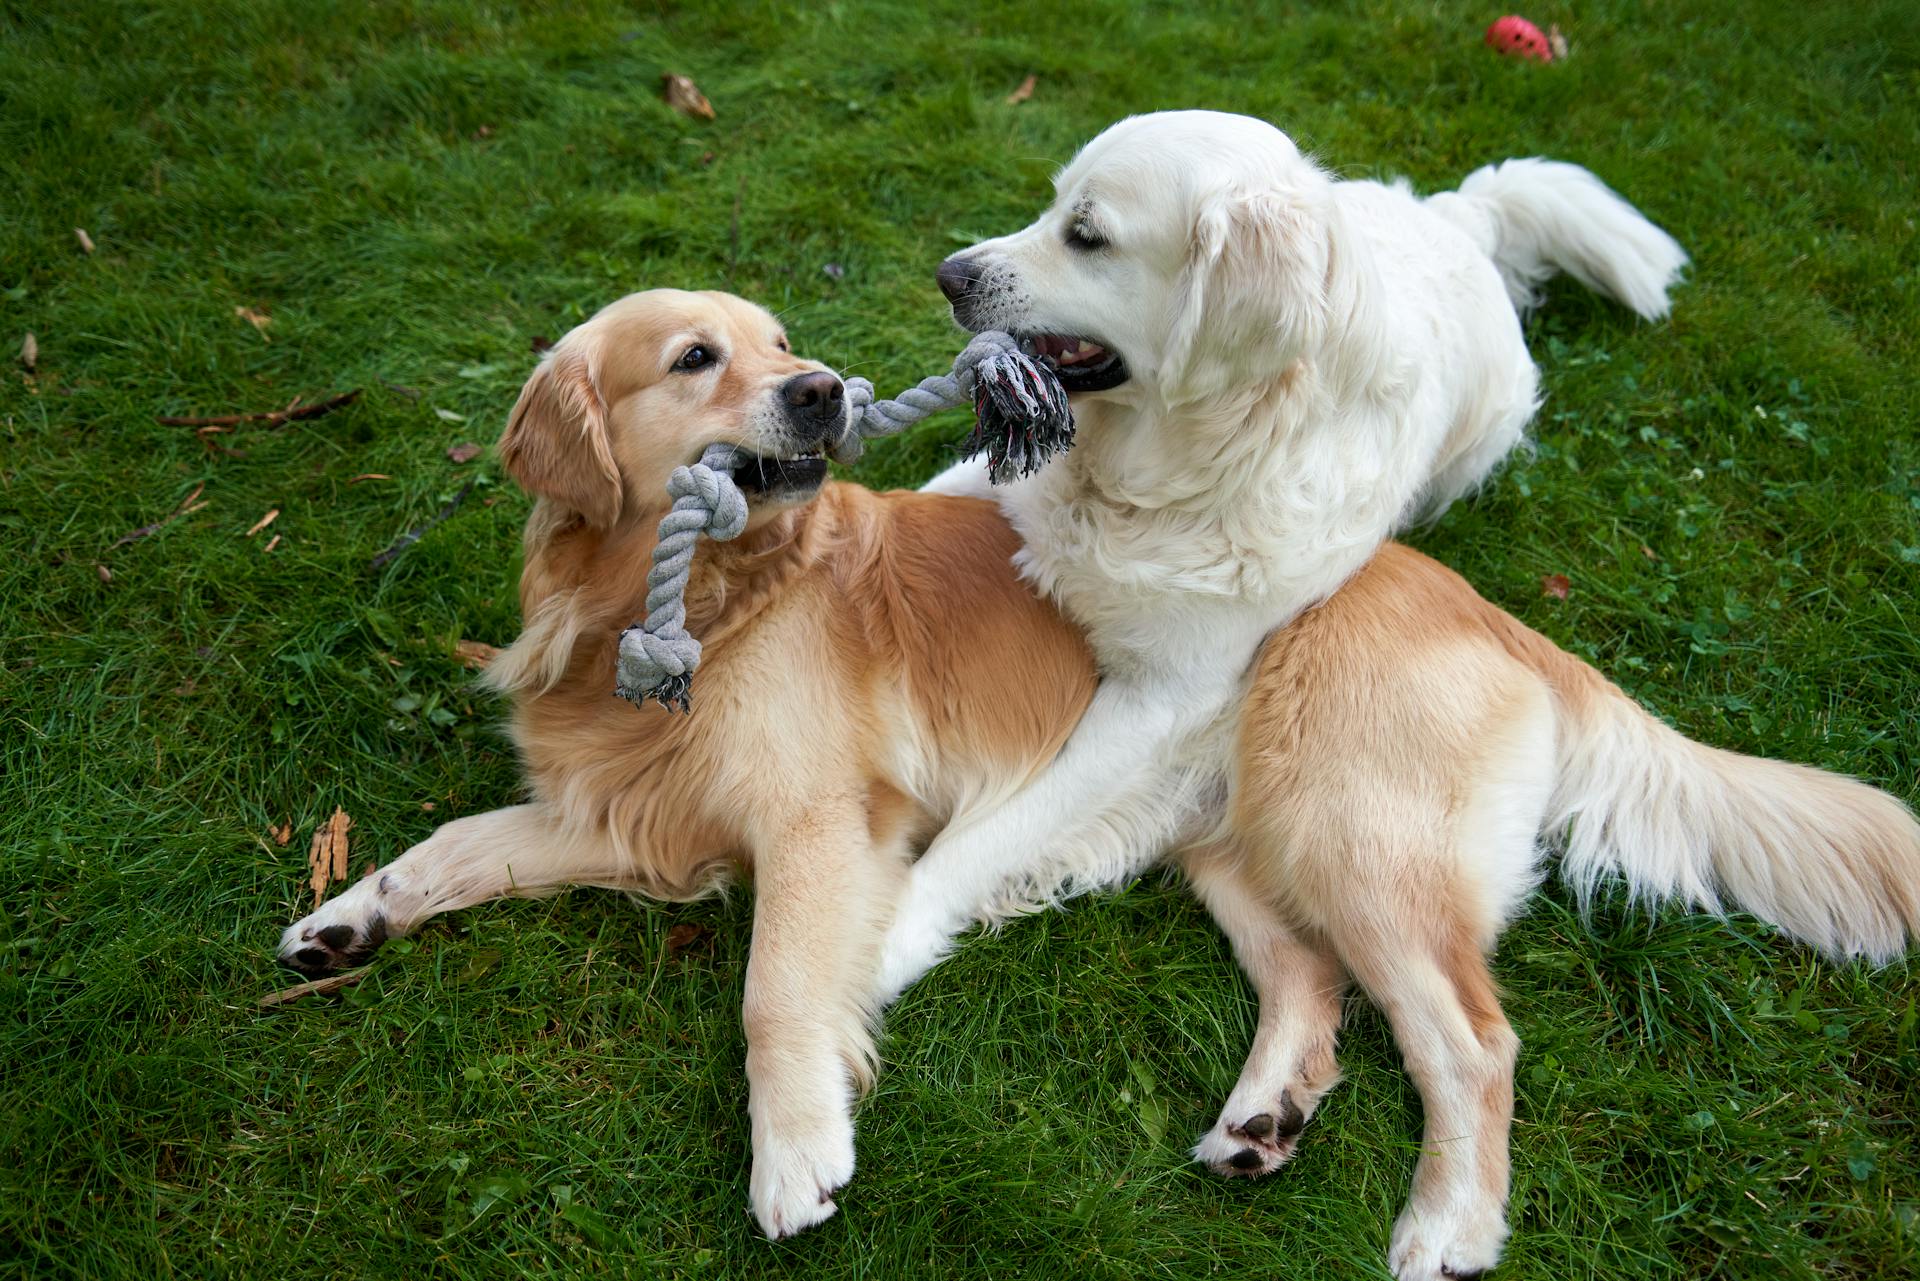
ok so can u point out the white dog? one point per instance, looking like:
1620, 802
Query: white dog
1272, 371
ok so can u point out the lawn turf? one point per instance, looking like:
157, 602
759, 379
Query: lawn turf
413, 192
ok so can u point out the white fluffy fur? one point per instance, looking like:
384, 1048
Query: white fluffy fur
1314, 363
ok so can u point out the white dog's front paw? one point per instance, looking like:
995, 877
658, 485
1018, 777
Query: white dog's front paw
794, 1179
341, 933
1447, 1246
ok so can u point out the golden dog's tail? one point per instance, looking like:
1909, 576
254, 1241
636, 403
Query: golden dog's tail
1537, 218
1829, 860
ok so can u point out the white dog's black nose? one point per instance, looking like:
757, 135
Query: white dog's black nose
816, 403
957, 275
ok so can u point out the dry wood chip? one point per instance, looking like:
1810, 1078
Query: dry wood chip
258, 319
83, 240
475, 654
327, 857
685, 97
264, 521
282, 833
464, 452
1024, 92
271, 544
368, 475
1555, 585
30, 352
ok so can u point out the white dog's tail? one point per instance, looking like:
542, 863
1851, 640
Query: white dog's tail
1830, 861
1536, 218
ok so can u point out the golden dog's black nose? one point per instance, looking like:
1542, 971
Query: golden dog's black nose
816, 402
957, 275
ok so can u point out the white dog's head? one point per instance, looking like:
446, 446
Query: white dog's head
1186, 254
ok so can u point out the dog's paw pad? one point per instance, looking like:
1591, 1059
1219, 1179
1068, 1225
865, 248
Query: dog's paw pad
317, 951
1257, 1145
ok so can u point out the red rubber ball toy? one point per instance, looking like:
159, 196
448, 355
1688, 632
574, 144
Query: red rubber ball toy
1518, 38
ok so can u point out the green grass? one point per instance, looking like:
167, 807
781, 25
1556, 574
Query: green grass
414, 191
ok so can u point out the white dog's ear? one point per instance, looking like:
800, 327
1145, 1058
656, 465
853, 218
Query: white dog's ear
556, 443
1253, 291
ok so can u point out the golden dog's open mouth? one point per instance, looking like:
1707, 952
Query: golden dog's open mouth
1082, 364
794, 476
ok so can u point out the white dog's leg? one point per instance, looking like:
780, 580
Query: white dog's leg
1095, 816
519, 851
1291, 1065
967, 478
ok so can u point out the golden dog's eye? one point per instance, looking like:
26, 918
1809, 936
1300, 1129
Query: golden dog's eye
694, 357
781, 343
1084, 238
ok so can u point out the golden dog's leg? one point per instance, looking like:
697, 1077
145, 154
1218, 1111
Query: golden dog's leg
1424, 969
519, 851
1291, 1065
823, 893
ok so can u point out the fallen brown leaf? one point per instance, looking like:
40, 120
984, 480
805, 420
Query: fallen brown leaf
281, 833
327, 857
1555, 585
30, 352
1024, 92
475, 654
464, 452
319, 987
684, 96
264, 521
258, 319
686, 936
83, 240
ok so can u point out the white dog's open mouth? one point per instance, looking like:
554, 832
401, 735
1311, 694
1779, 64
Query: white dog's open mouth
1081, 363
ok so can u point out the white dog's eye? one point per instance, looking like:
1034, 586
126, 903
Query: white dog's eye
694, 357
1084, 238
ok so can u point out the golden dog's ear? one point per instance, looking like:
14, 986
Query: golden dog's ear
556, 443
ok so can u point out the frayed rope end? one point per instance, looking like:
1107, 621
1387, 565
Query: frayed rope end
1021, 416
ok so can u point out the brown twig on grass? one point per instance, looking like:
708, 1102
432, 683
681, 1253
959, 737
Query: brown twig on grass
187, 507
414, 535
294, 412
319, 987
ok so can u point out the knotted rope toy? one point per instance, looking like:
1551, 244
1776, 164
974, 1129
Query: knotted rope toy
1021, 419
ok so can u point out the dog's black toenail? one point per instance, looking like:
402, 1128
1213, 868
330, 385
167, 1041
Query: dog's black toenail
1291, 1120
336, 937
311, 958
376, 933
1245, 1159
1258, 1127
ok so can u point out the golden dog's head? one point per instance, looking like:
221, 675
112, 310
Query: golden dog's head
652, 380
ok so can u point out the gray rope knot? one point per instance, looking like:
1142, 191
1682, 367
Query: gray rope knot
1021, 418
